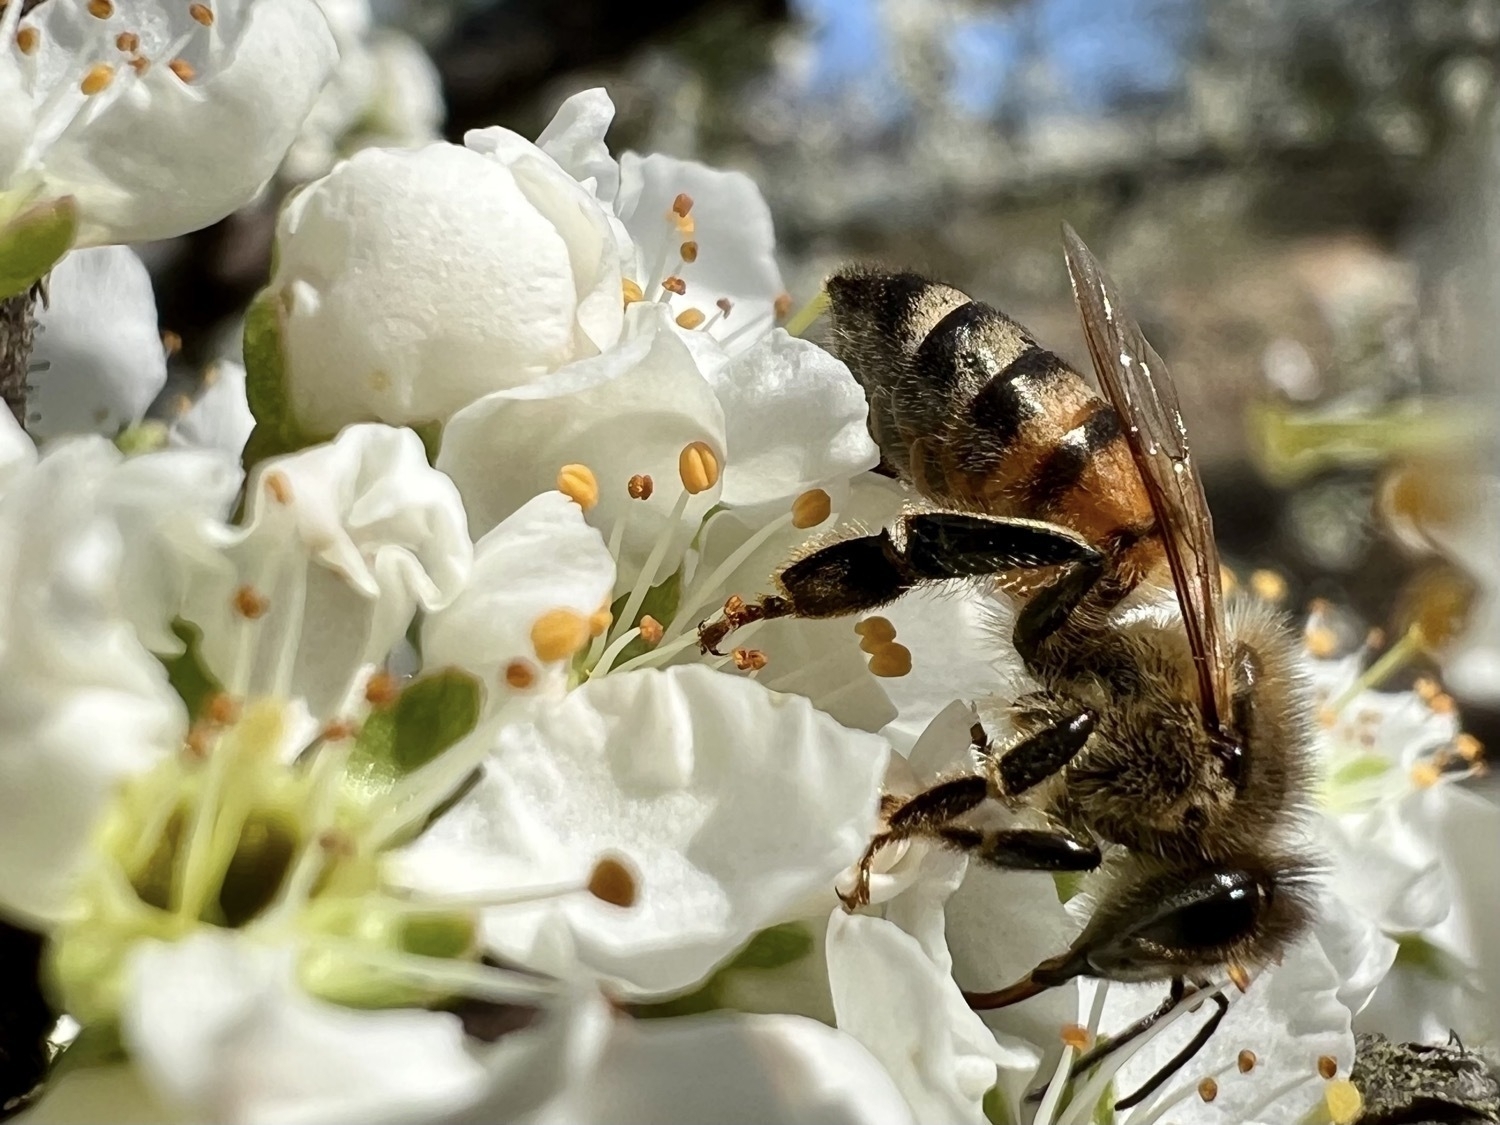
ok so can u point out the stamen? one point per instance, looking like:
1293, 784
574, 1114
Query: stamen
183, 69
1208, 1089
202, 13
674, 284
222, 709
128, 42
140, 65
171, 342
875, 633
599, 622
749, 659
698, 466
693, 599
685, 224
444, 974
578, 484
608, 657
1077, 1036
694, 460
520, 675
782, 306
631, 291
808, 314
724, 305
1345, 1103
1410, 645
891, 661
651, 630
689, 251
101, 9
682, 204
613, 882
1239, 975
1047, 1111
1375, 638
338, 730
559, 633
1321, 642
279, 486
1328, 1066
640, 487
28, 39
811, 508
381, 690
1268, 586
1424, 775
690, 318
1246, 1061
249, 604
200, 737
97, 79
1469, 748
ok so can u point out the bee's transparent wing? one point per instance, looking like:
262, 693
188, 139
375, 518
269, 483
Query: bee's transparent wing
1139, 386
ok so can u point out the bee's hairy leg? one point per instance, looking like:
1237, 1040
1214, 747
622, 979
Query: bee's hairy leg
868, 571
1051, 606
1024, 849
922, 814
1043, 752
1182, 1057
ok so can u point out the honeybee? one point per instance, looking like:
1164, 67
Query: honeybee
1167, 748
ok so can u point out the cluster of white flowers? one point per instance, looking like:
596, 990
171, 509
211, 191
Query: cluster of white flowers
383, 779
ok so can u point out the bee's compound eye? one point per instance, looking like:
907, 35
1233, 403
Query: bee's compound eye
1216, 912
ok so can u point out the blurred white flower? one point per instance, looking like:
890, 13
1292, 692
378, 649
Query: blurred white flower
152, 119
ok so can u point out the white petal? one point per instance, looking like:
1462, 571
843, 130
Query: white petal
543, 557
381, 327
910, 1015
90, 567
17, 451
733, 805
796, 420
221, 1028
629, 411
98, 361
219, 418
732, 1070
344, 541
575, 139
408, 105
157, 156
732, 227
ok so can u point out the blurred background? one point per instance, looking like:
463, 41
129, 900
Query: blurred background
1302, 197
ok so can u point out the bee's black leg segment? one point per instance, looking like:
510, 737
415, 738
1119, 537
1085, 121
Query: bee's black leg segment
1024, 849
941, 545
1182, 1057
1042, 753
938, 805
1050, 607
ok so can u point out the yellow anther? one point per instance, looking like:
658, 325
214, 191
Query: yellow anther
1267, 585
698, 466
1375, 638
783, 306
1469, 748
183, 69
1076, 1036
279, 487
222, 709
1328, 1066
599, 621
128, 41
199, 738
1246, 1061
578, 484
101, 9
682, 204
335, 841
202, 13
1443, 704
1427, 688
631, 291
171, 342
1345, 1103
690, 318
811, 508
640, 487
519, 674
876, 631
685, 224
1424, 775
249, 604
559, 633
749, 659
98, 78
1322, 642
382, 689
338, 730
28, 39
612, 882
651, 630
689, 251
1239, 975
1208, 1089
674, 284
891, 660
140, 64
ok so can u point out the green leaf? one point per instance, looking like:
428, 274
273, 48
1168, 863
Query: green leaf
32, 241
276, 429
775, 947
194, 684
429, 716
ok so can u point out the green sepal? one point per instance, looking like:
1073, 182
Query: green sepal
194, 684
33, 240
774, 947
996, 1108
429, 716
276, 429
660, 602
